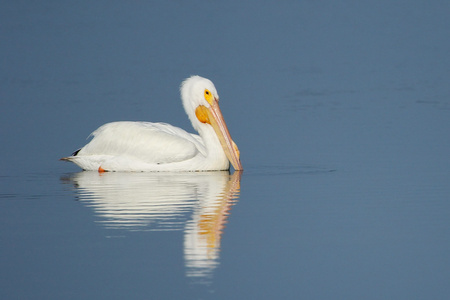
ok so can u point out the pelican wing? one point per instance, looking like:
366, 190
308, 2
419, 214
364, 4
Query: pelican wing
154, 143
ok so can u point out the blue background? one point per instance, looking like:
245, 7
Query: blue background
341, 112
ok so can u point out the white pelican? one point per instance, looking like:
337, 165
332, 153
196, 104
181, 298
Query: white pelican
144, 146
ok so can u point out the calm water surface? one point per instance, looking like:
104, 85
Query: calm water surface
341, 112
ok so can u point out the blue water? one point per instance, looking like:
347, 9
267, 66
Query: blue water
341, 112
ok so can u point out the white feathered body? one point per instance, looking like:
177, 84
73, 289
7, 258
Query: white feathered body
145, 146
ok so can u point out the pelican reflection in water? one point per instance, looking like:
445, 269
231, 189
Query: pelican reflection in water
164, 201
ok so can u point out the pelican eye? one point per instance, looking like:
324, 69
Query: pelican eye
208, 96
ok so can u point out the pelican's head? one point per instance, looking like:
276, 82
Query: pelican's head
201, 102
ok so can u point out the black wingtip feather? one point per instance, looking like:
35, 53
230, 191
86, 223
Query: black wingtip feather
76, 152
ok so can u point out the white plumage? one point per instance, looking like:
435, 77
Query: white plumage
145, 146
